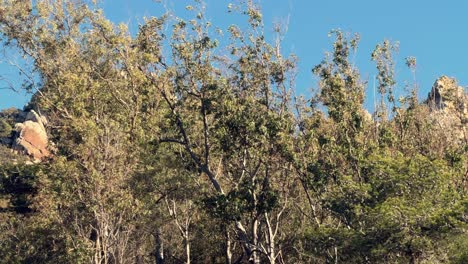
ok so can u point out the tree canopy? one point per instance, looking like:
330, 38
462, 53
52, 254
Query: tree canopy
183, 144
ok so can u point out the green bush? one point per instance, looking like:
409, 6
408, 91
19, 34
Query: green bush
5, 129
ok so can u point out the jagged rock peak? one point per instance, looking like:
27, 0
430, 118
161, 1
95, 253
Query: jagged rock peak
449, 105
447, 95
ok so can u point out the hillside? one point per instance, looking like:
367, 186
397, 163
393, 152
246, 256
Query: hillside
177, 145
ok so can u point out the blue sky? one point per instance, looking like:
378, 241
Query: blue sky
434, 32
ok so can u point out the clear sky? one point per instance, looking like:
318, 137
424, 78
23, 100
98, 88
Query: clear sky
435, 32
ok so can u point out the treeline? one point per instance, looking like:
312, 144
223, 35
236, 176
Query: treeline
169, 148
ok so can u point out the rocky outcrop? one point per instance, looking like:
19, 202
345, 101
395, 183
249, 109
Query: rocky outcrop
31, 137
448, 96
449, 106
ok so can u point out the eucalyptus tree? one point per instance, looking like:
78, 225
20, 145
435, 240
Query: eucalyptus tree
366, 189
80, 62
231, 115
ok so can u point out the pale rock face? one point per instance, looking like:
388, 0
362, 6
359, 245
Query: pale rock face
32, 137
35, 117
448, 96
449, 103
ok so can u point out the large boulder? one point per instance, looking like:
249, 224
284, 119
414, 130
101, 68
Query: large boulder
32, 137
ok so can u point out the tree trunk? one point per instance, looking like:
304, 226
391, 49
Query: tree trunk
187, 248
271, 248
255, 258
159, 250
270, 236
228, 246
243, 237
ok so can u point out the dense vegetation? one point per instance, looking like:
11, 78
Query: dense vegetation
190, 146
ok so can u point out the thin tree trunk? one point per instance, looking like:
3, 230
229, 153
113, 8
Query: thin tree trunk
271, 249
187, 248
242, 234
336, 255
255, 257
271, 240
159, 251
228, 246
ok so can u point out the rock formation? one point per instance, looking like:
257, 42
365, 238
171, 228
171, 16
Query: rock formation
31, 136
446, 95
449, 105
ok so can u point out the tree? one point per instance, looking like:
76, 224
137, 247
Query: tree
359, 212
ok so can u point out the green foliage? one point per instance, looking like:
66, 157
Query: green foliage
341, 90
18, 182
168, 147
8, 118
5, 129
232, 206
